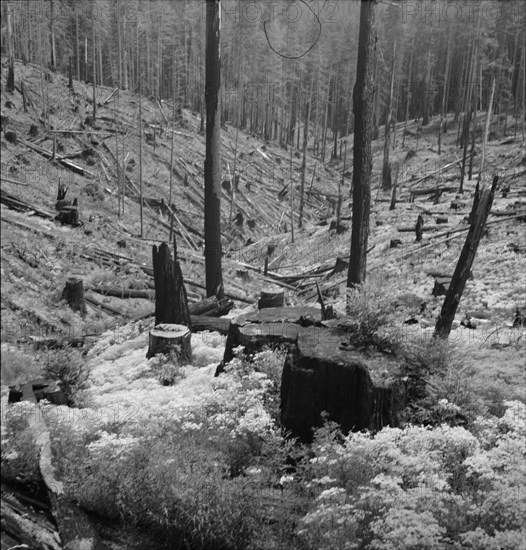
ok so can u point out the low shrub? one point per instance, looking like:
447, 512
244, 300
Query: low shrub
68, 367
19, 453
418, 487
17, 367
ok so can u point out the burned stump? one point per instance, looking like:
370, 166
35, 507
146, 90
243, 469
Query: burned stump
169, 339
271, 297
356, 392
171, 302
73, 293
322, 372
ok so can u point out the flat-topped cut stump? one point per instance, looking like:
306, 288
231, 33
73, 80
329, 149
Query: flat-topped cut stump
169, 338
322, 371
271, 297
268, 326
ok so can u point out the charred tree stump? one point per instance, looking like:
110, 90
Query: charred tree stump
73, 293
271, 297
341, 265
171, 302
419, 227
461, 274
68, 215
169, 339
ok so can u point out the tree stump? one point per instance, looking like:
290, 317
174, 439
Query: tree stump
73, 293
419, 227
341, 265
68, 215
441, 286
166, 338
271, 297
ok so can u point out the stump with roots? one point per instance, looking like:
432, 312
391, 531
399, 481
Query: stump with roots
271, 297
169, 338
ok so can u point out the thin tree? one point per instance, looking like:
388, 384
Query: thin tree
445, 91
10, 86
486, 131
214, 276
304, 160
363, 98
386, 170
140, 132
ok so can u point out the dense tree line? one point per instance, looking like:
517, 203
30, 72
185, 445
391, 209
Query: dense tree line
279, 56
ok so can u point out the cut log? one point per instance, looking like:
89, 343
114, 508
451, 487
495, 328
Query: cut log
169, 339
74, 526
73, 293
213, 324
203, 306
271, 297
124, 292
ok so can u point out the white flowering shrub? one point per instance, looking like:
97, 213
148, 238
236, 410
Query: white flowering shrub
19, 453
193, 468
418, 488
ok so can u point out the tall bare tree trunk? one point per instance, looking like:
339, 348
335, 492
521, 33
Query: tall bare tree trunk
140, 131
486, 131
363, 128
304, 161
386, 170
410, 72
447, 72
10, 86
214, 276
53, 60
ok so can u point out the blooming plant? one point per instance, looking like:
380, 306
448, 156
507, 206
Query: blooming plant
419, 487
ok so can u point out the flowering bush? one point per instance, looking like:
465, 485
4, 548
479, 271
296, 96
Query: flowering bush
184, 462
419, 487
20, 455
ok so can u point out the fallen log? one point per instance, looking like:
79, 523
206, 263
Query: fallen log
95, 301
16, 203
49, 155
75, 528
123, 292
201, 323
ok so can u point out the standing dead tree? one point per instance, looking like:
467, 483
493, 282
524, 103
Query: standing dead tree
171, 303
363, 133
461, 274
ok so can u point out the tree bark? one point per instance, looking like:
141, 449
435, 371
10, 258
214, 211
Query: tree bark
386, 169
214, 276
171, 303
304, 162
363, 127
73, 293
